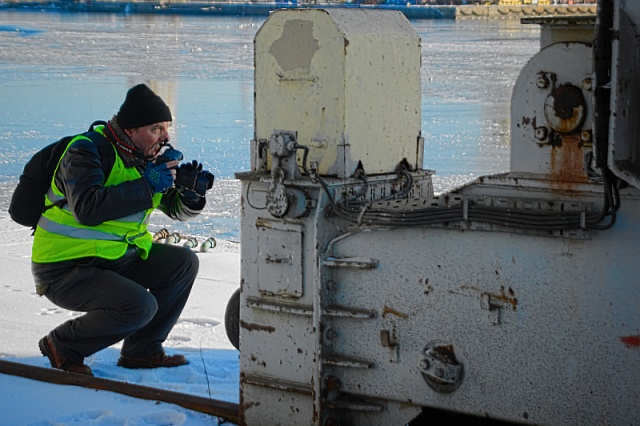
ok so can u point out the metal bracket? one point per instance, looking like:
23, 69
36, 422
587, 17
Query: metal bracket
282, 147
281, 200
439, 367
277, 201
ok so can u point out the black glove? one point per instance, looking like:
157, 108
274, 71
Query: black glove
191, 178
158, 177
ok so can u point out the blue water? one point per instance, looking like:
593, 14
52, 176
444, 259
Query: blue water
61, 71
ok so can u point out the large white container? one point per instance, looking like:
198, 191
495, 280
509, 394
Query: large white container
347, 81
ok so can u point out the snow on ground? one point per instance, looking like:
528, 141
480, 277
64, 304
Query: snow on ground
199, 335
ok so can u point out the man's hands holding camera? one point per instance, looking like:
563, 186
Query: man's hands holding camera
189, 178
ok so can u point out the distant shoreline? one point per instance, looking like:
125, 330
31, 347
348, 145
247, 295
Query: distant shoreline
263, 9
523, 11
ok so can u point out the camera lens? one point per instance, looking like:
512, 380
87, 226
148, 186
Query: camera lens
204, 181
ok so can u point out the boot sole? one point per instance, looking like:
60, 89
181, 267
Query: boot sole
43, 344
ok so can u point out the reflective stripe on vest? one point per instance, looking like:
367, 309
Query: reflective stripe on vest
73, 232
53, 197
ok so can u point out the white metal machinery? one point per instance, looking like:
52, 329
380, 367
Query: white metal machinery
349, 90
367, 300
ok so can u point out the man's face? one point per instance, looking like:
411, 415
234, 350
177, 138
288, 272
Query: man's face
149, 139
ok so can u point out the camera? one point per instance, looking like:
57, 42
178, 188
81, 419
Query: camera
169, 154
190, 178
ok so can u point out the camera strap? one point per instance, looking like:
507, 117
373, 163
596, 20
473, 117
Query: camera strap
122, 146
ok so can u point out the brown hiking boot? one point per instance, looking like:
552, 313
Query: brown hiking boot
154, 361
58, 361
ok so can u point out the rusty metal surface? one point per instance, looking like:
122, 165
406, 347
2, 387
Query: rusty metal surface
506, 298
374, 299
521, 314
565, 109
551, 115
624, 144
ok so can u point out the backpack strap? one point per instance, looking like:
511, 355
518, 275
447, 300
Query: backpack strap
105, 149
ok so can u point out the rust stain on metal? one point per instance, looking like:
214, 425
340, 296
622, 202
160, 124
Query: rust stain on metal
388, 310
264, 223
507, 296
445, 353
568, 107
631, 341
332, 383
565, 114
257, 327
567, 167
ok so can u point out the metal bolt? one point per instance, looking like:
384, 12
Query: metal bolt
332, 383
557, 139
585, 136
542, 81
424, 364
541, 133
587, 84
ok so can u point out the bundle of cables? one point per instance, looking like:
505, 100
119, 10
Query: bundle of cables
374, 213
357, 209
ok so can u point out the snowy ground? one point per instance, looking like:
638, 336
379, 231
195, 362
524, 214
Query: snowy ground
200, 335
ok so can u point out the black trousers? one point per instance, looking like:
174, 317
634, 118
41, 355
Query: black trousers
132, 299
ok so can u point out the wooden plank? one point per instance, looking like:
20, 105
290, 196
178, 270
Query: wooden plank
223, 409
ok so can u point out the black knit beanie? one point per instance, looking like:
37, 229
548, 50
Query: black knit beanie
142, 107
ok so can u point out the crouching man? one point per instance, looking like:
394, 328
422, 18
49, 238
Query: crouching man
92, 251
